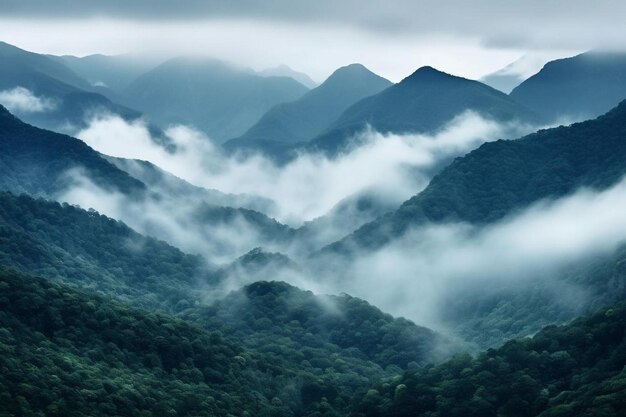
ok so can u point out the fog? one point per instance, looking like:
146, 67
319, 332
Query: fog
415, 275
21, 100
394, 166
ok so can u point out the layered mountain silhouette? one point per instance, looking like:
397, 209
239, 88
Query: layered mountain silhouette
423, 102
115, 72
48, 164
577, 88
69, 99
499, 177
303, 119
286, 71
221, 100
509, 77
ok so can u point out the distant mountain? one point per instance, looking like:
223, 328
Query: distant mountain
509, 77
114, 72
344, 218
577, 88
421, 103
221, 100
164, 183
285, 71
46, 93
499, 177
303, 119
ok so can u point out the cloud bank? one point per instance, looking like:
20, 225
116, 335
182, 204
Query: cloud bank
416, 275
394, 166
22, 100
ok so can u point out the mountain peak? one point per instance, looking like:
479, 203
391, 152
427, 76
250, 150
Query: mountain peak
352, 70
428, 73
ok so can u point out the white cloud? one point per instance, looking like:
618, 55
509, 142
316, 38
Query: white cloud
414, 275
396, 166
22, 100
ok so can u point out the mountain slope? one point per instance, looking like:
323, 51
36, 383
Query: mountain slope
43, 163
277, 319
37, 161
573, 370
577, 88
87, 355
499, 177
221, 100
421, 103
69, 99
78, 247
306, 117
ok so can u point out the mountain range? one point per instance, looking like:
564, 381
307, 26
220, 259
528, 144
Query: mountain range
48, 94
217, 98
421, 103
303, 119
160, 297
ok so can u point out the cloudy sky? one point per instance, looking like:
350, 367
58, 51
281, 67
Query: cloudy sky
392, 37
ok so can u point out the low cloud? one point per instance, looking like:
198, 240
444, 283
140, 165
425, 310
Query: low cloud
22, 100
416, 275
191, 225
395, 166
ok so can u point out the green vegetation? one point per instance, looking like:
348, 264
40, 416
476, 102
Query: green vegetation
572, 370
494, 181
318, 332
62, 242
65, 352
507, 175
37, 161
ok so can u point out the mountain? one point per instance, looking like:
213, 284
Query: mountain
421, 103
285, 71
162, 182
303, 119
499, 179
43, 163
277, 319
221, 100
44, 92
577, 88
40, 162
509, 77
78, 247
88, 355
573, 370
114, 72
502, 176
344, 218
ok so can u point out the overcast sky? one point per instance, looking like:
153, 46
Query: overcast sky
391, 37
